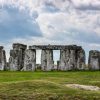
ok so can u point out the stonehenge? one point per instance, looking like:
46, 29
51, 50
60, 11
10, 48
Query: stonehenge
72, 57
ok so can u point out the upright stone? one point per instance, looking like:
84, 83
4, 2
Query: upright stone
72, 59
58, 62
16, 60
81, 59
67, 60
2, 59
94, 60
64, 60
47, 60
30, 60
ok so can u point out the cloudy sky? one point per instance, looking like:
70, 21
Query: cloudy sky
50, 22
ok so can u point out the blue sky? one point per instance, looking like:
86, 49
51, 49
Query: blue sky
50, 22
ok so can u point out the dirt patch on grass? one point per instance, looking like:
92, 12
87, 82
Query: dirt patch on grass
83, 87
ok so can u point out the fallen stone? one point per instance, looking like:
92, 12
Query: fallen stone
83, 87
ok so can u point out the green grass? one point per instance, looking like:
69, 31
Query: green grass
47, 85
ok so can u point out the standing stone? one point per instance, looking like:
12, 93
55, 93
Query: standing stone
58, 62
64, 60
94, 60
7, 66
47, 60
30, 60
2, 59
16, 60
67, 60
81, 59
72, 60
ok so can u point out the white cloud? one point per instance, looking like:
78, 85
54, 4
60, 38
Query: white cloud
72, 22
87, 4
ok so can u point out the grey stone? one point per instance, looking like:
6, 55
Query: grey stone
30, 60
67, 60
2, 59
81, 60
54, 47
72, 59
18, 46
94, 60
47, 62
58, 65
16, 60
64, 60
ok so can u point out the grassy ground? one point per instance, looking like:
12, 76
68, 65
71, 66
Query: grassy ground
47, 85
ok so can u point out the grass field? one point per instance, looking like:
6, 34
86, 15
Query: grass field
47, 85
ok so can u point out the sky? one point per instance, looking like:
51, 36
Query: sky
34, 22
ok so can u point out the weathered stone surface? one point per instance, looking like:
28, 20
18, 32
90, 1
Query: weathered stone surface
67, 60
71, 56
30, 60
64, 60
72, 59
18, 46
47, 60
7, 66
54, 47
16, 60
2, 59
94, 60
58, 65
81, 60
